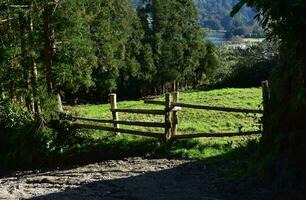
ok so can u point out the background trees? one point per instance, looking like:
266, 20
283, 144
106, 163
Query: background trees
87, 49
174, 34
50, 49
214, 14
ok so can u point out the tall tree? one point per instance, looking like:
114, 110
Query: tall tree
68, 51
113, 30
285, 126
176, 38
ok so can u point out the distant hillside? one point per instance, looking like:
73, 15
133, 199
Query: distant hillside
215, 14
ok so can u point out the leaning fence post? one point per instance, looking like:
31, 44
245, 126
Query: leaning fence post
113, 101
174, 117
265, 93
167, 116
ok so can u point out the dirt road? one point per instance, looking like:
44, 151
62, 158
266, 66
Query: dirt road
131, 178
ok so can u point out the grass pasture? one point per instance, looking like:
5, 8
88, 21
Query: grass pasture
190, 121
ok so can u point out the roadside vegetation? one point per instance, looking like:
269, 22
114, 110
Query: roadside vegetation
57, 143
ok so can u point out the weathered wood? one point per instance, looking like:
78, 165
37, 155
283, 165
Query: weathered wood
145, 124
113, 101
176, 108
167, 116
153, 102
174, 117
223, 109
132, 123
213, 135
117, 130
94, 120
141, 111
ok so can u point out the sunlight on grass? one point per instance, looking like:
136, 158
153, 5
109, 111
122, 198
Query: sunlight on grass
190, 121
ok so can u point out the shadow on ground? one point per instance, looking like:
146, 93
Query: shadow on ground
148, 178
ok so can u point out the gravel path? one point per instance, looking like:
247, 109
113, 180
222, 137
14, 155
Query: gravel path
131, 178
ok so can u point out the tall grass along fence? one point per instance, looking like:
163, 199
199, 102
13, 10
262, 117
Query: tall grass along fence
172, 106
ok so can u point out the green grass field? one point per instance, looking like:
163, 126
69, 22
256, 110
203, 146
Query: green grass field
190, 121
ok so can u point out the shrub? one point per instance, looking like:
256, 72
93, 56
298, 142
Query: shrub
23, 139
244, 67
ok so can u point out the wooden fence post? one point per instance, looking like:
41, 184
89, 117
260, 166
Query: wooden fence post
174, 117
266, 100
167, 116
113, 101
265, 93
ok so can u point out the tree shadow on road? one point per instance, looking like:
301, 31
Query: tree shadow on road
218, 177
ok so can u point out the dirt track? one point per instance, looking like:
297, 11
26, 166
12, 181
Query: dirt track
131, 178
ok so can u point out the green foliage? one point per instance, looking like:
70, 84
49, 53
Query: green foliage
284, 123
22, 140
173, 31
75, 54
12, 116
240, 67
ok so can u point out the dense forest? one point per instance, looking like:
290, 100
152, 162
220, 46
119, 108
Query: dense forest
215, 15
49, 49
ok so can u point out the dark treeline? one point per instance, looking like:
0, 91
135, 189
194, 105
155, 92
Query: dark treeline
87, 49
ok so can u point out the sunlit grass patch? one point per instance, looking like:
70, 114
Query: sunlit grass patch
190, 121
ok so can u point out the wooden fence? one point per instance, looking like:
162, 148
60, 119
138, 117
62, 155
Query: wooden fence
166, 125
170, 112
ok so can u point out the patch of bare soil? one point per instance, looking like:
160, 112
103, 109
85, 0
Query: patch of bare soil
130, 178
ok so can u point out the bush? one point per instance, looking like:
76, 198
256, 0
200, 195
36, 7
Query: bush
244, 67
23, 139
26, 141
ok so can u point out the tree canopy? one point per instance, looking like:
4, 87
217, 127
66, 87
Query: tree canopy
284, 126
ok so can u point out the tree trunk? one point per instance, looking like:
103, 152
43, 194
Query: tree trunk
49, 53
59, 103
25, 57
48, 48
34, 75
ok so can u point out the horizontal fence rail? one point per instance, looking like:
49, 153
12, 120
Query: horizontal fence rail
117, 130
140, 111
131, 123
214, 135
93, 120
153, 102
224, 109
204, 107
